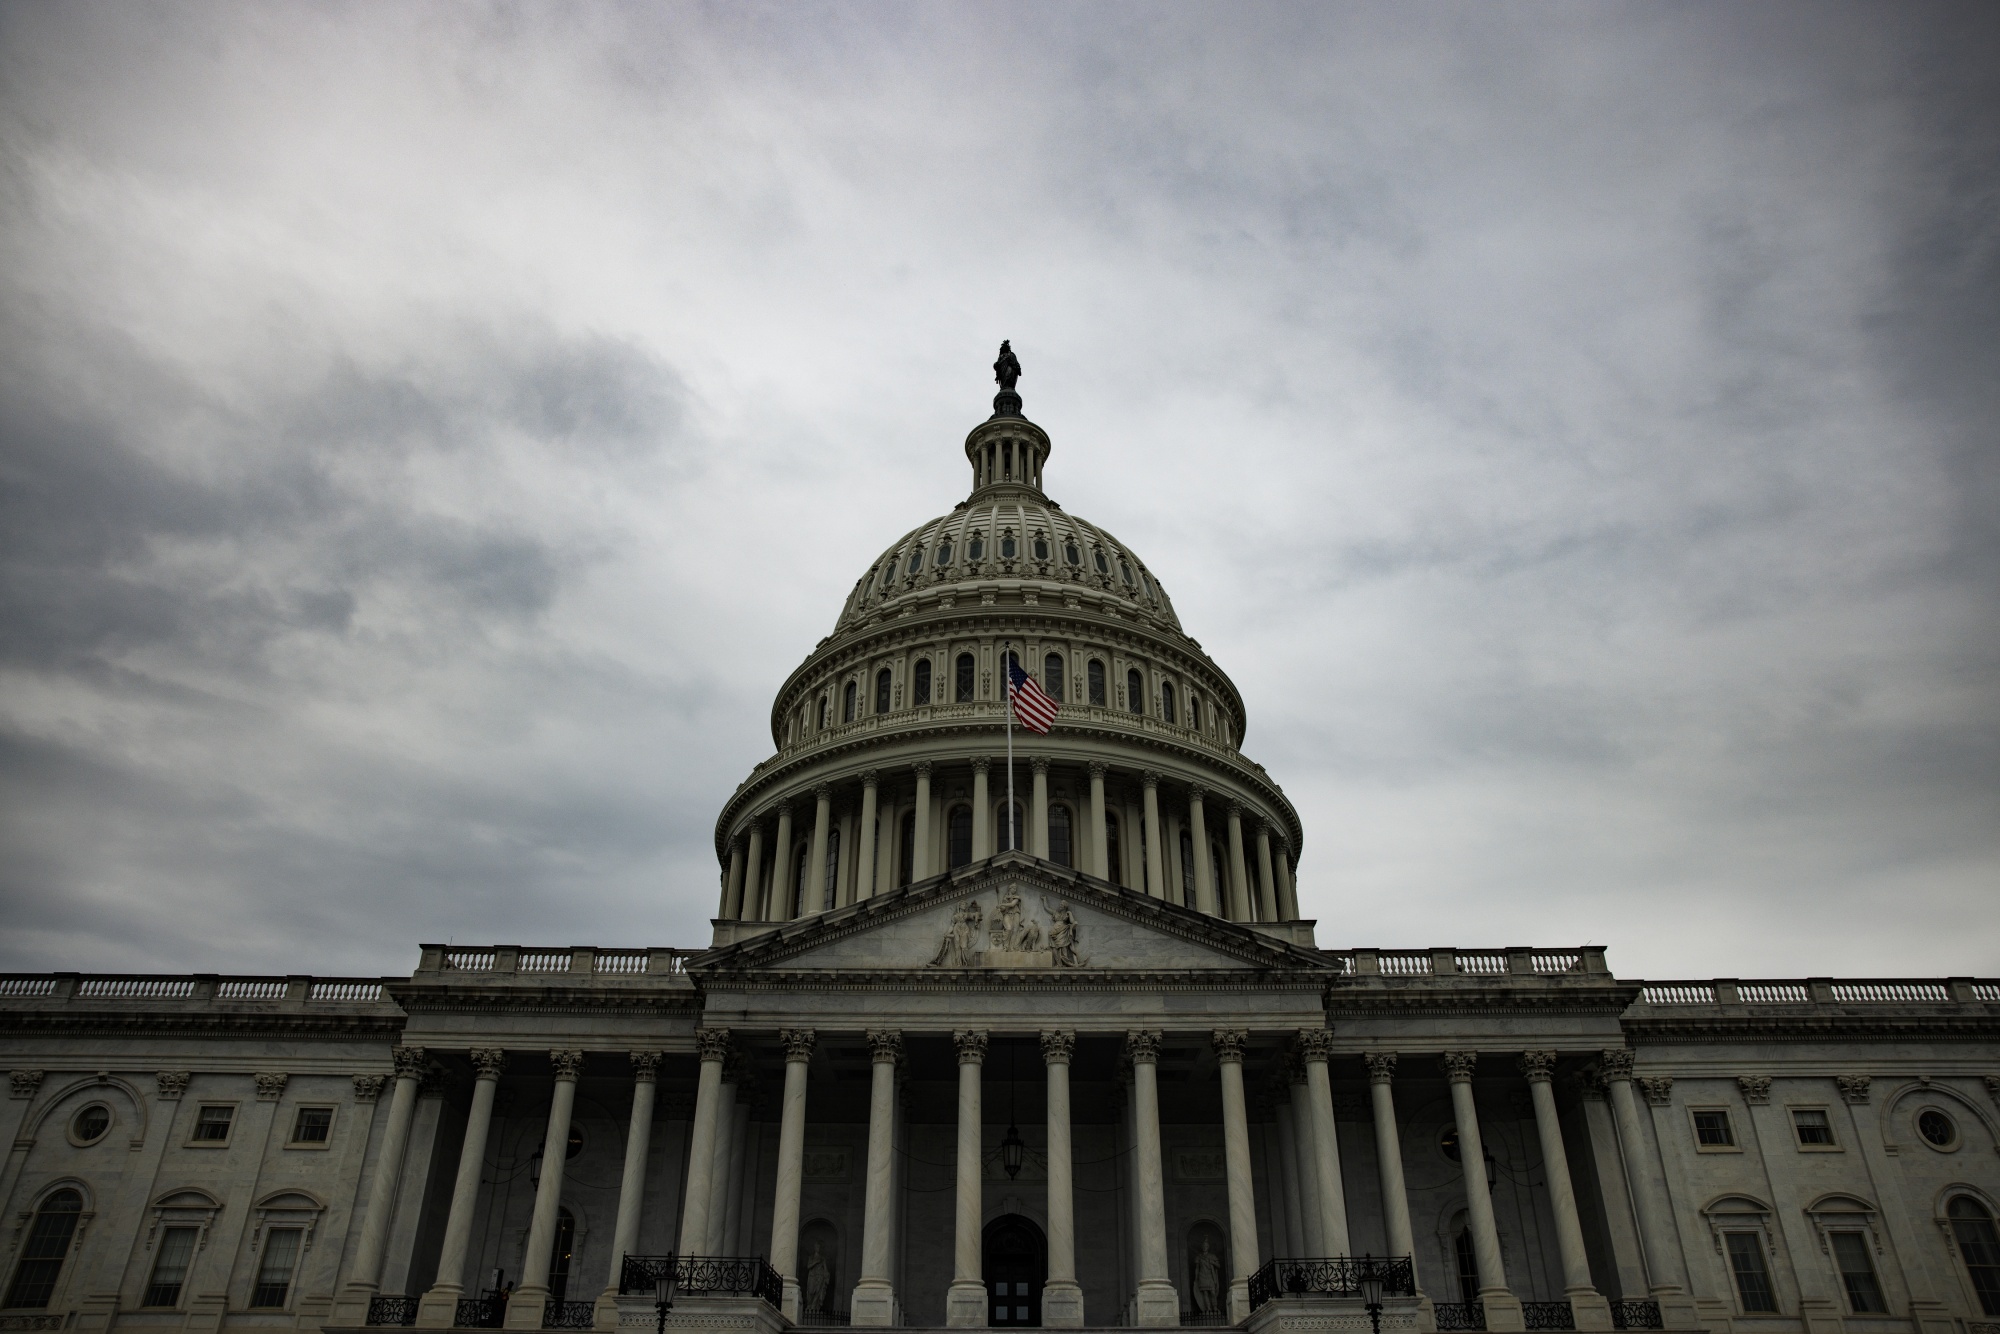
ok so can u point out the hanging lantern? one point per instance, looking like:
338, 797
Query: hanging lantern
1012, 1151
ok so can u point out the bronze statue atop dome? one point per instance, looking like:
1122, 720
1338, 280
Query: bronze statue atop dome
1007, 370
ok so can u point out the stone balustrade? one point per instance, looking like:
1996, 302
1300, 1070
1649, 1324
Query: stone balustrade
197, 989
579, 961
1729, 992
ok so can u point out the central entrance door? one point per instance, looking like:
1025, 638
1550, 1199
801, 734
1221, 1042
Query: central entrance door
1017, 1264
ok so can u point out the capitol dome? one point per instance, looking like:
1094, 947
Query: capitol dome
891, 736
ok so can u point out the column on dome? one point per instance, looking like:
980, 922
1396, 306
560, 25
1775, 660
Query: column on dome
1243, 1257
874, 1301
816, 889
841, 891
632, 1183
526, 1309
1267, 883
1503, 1309
1156, 1302
1132, 845
712, 1044
1204, 878
1156, 864
1315, 1046
921, 867
439, 1308
732, 883
1288, 895
366, 1275
1062, 1296
864, 857
1587, 1306
1175, 876
1100, 855
1038, 813
982, 810
798, 1044
780, 907
965, 1301
753, 909
1389, 1158
1240, 906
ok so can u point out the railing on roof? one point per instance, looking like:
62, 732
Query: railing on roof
575, 960
1821, 991
1515, 961
929, 715
199, 987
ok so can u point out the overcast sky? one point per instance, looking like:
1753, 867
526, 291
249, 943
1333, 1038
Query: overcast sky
430, 434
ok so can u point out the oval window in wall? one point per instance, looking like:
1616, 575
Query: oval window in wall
89, 1125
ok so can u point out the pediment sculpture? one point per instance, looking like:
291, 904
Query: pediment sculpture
1012, 938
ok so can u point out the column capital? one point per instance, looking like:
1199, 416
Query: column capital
1149, 778
1538, 1067
1058, 1045
409, 1062
1314, 1044
885, 1046
367, 1088
271, 1087
712, 1044
1853, 1088
1038, 764
1458, 1065
971, 1044
1142, 1046
1756, 1089
798, 1043
1229, 1044
1617, 1063
1196, 792
981, 763
487, 1062
922, 768
781, 809
646, 1067
1236, 810
1381, 1066
1659, 1089
823, 791
24, 1084
172, 1084
870, 777
1098, 768
1263, 828
568, 1063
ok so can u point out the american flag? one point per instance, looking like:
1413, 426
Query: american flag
1032, 709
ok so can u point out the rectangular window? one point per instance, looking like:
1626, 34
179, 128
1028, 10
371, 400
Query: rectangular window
313, 1126
1813, 1128
1746, 1262
274, 1271
170, 1267
1857, 1273
1711, 1129
211, 1125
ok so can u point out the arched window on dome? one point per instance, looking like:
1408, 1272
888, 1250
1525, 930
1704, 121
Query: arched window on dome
1978, 1245
1095, 676
882, 680
1071, 554
958, 837
847, 703
1167, 708
825, 712
968, 678
1061, 842
1052, 677
1007, 547
1010, 834
43, 1253
1187, 868
944, 553
1135, 691
1194, 710
917, 560
906, 848
975, 547
920, 690
1125, 569
1103, 566
1041, 547
867, 583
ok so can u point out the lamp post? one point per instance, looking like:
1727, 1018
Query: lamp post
1371, 1292
663, 1290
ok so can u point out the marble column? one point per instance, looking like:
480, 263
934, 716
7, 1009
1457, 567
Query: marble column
1062, 1295
1204, 878
864, 861
1267, 883
732, 884
982, 810
817, 890
798, 1043
874, 1302
525, 1309
632, 1184
439, 1308
1588, 1306
1243, 1260
366, 1274
782, 865
1389, 1158
1287, 1163
1156, 866
1156, 1302
1308, 1178
723, 1177
1288, 894
1038, 812
1665, 1282
753, 877
1100, 853
1315, 1047
965, 1301
921, 867
1240, 905
713, 1046
735, 1205
1503, 1310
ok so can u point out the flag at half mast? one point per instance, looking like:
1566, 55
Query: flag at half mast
1033, 709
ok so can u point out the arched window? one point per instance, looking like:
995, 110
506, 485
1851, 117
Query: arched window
1114, 851
1978, 1246
968, 675
1007, 546
825, 708
882, 679
562, 1253
1071, 554
920, 692
917, 559
975, 547
1059, 836
43, 1253
944, 553
1052, 676
1135, 691
1018, 830
1468, 1267
1167, 710
847, 703
1125, 569
832, 867
1041, 547
1095, 675
1187, 868
958, 830
1194, 711
1103, 566
906, 848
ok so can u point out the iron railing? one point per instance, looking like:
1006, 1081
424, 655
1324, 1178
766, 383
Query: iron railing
745, 1275
825, 1319
480, 1312
1548, 1315
569, 1315
1642, 1314
1460, 1315
392, 1310
1332, 1275
1206, 1319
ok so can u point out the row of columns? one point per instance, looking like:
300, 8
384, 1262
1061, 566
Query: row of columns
1257, 872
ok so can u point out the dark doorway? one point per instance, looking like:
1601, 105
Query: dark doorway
1017, 1264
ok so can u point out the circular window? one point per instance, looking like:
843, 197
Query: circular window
1938, 1130
88, 1126
1448, 1143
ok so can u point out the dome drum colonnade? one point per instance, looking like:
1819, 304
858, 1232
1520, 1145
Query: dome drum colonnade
890, 769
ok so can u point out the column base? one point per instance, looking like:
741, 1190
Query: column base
1062, 1304
351, 1307
1677, 1309
439, 1307
527, 1306
790, 1302
1239, 1300
1591, 1309
1156, 1304
605, 1314
1503, 1311
873, 1305
1932, 1317
965, 1304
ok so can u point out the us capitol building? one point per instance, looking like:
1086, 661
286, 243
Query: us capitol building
1076, 1062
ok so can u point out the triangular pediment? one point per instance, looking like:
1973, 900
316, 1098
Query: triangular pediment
1013, 913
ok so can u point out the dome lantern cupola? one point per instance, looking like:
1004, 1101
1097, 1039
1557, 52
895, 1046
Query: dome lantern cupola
1007, 451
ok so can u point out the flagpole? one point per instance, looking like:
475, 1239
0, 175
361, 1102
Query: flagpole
1007, 671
